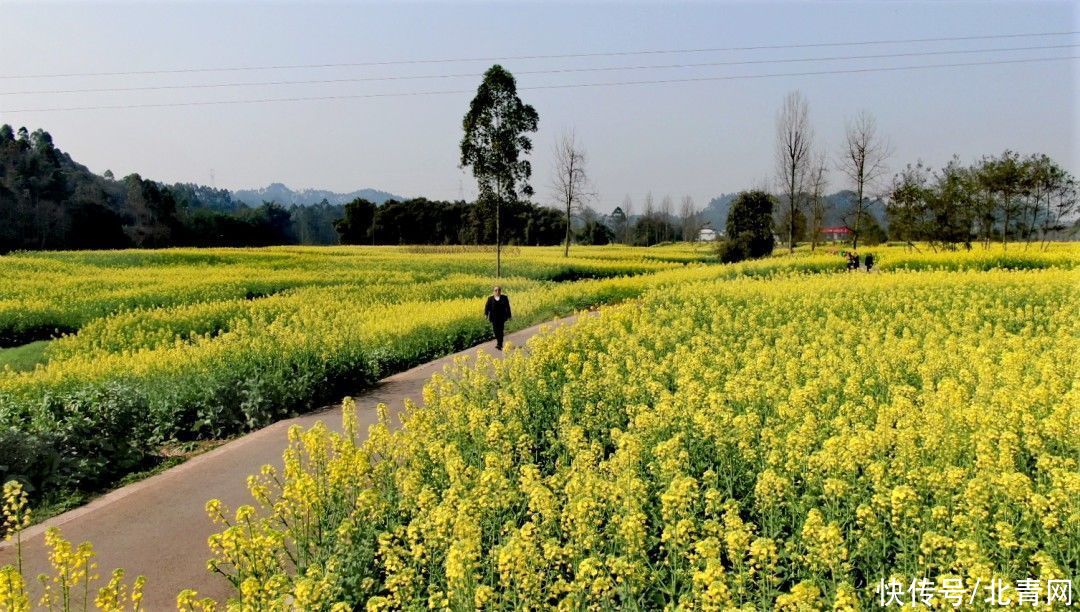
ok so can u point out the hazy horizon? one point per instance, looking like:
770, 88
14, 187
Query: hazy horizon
700, 138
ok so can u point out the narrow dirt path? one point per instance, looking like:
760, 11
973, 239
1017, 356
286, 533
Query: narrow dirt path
158, 527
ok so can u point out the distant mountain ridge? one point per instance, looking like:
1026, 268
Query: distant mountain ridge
282, 194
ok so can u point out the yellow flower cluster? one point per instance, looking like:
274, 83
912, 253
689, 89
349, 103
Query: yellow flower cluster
16, 511
745, 443
190, 343
68, 587
74, 573
65, 290
195, 343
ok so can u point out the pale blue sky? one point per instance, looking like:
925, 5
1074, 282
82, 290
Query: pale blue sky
699, 139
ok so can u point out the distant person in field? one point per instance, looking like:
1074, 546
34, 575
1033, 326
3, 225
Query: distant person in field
855, 261
869, 260
497, 310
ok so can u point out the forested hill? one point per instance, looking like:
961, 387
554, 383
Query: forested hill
49, 201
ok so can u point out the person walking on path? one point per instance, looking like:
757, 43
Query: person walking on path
869, 260
497, 310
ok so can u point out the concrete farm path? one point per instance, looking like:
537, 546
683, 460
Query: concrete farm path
158, 527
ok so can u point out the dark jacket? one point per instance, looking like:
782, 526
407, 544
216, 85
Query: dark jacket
497, 311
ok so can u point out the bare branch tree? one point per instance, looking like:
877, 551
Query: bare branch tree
817, 183
1064, 189
570, 184
794, 143
666, 207
628, 228
863, 162
649, 217
689, 216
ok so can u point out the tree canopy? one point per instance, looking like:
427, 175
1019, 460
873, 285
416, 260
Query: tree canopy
495, 144
749, 227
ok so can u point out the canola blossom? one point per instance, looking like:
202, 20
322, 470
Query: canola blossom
204, 343
73, 581
768, 434
752, 443
184, 344
43, 292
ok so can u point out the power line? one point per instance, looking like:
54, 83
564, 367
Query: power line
549, 71
538, 57
537, 87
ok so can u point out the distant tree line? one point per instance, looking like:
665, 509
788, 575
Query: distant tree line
657, 223
1004, 198
48, 201
422, 221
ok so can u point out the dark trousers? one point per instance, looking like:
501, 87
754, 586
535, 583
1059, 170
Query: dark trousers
498, 327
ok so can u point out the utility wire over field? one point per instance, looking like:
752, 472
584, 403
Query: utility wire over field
530, 72
986, 57
505, 58
558, 86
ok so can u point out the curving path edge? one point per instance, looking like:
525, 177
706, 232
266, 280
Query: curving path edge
158, 527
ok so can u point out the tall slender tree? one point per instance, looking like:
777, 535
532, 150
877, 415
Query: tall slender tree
794, 148
666, 207
1005, 180
495, 144
648, 217
1066, 195
954, 206
908, 204
688, 214
618, 223
628, 228
819, 205
570, 184
863, 162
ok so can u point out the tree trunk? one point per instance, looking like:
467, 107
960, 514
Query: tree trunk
1046, 223
1005, 227
791, 209
498, 237
858, 218
566, 247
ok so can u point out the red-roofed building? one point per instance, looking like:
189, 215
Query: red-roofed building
836, 234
